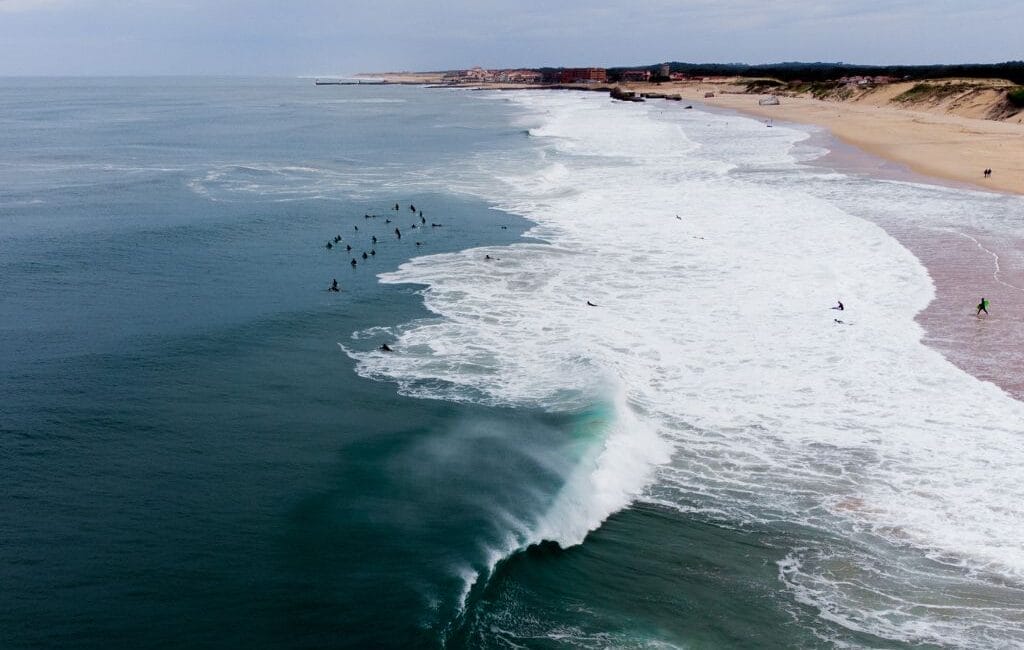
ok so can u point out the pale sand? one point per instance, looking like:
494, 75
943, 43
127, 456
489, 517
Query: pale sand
945, 146
953, 146
963, 265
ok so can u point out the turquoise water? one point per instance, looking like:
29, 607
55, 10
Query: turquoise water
201, 447
189, 459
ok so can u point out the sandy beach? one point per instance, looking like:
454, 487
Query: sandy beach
945, 146
964, 265
920, 146
947, 142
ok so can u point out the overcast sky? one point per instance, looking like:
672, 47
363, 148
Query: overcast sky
308, 37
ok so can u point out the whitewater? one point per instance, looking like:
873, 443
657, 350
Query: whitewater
713, 256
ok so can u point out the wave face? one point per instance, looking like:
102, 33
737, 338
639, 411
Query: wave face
739, 398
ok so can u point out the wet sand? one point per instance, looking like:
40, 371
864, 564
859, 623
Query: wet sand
965, 264
943, 146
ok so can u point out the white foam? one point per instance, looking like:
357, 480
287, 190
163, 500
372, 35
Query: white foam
714, 336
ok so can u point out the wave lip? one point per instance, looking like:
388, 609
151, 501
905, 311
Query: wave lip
738, 391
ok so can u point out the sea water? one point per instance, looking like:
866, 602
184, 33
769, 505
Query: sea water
203, 447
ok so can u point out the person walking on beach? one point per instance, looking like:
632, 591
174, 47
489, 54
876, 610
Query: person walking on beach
982, 307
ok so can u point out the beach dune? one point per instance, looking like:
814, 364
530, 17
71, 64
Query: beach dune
945, 145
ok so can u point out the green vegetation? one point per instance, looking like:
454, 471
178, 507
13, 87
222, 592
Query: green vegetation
763, 85
812, 72
822, 89
1016, 96
934, 92
915, 94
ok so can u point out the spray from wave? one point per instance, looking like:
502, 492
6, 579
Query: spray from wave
737, 393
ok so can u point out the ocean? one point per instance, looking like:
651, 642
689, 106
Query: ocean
202, 446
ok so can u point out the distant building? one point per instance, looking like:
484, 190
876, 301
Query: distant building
518, 76
473, 75
577, 75
636, 75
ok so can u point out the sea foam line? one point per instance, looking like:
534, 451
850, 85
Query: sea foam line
995, 260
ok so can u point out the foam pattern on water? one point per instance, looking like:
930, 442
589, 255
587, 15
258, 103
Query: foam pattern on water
739, 395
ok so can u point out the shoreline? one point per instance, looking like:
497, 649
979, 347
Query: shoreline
938, 144
960, 262
946, 147
900, 145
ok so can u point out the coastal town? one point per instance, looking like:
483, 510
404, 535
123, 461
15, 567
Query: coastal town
661, 73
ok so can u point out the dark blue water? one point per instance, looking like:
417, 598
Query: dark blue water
187, 457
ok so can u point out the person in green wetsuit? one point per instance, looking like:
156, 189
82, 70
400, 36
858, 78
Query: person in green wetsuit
982, 307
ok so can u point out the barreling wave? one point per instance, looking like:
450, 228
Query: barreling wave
738, 393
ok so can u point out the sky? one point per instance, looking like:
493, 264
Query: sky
320, 37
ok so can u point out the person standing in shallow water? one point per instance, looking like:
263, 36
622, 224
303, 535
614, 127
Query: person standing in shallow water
982, 307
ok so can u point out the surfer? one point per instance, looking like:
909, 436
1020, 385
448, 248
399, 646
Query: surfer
353, 262
591, 304
384, 347
839, 306
334, 285
374, 238
982, 307
396, 206
330, 245
398, 232
364, 255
